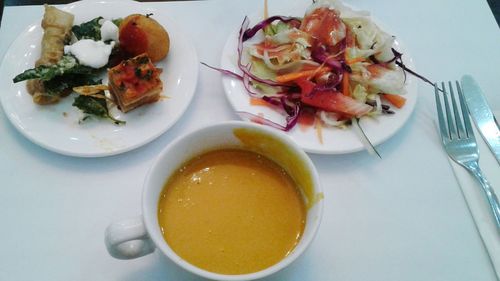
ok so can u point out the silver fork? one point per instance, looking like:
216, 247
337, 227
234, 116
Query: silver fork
459, 142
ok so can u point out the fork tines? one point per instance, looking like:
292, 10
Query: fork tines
452, 125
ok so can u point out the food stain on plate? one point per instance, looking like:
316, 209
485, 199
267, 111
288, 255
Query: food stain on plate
106, 144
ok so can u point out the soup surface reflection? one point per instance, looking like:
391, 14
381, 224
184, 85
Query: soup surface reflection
231, 211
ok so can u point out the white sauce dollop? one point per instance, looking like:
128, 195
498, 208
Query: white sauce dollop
90, 53
109, 31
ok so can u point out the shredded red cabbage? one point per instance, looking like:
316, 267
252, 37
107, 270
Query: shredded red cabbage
331, 85
287, 100
247, 83
250, 32
320, 55
289, 109
245, 68
289, 97
275, 100
398, 59
291, 121
224, 71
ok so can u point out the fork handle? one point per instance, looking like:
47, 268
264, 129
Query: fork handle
488, 191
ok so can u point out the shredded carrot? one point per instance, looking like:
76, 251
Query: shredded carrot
301, 74
319, 73
346, 91
257, 101
396, 100
355, 60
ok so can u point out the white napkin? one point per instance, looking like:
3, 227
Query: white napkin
476, 200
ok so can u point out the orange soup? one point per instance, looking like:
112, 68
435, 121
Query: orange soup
231, 211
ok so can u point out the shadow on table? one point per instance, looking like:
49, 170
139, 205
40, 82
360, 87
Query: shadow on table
164, 268
146, 153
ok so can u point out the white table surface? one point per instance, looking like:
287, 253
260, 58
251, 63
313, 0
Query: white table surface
402, 217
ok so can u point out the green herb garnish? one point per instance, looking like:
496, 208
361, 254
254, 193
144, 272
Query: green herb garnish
66, 65
88, 30
60, 84
95, 106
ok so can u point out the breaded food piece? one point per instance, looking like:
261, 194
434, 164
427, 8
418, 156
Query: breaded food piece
143, 34
56, 26
135, 82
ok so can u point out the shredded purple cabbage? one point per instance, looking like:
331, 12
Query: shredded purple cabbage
282, 100
398, 59
250, 32
264, 121
224, 71
331, 85
291, 120
288, 99
275, 100
320, 55
245, 68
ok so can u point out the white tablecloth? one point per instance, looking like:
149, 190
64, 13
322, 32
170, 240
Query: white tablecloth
402, 217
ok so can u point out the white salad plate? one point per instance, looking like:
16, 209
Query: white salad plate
58, 128
333, 140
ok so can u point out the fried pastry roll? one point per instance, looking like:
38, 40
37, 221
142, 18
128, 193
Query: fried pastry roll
56, 26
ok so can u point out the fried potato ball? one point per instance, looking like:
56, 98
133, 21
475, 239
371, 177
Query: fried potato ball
142, 34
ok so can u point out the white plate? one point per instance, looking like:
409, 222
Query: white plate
56, 127
335, 141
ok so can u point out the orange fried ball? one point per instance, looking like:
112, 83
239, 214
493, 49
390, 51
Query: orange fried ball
142, 34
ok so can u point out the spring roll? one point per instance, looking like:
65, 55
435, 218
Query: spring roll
56, 26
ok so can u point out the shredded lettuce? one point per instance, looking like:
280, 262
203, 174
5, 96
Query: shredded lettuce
359, 93
260, 69
274, 29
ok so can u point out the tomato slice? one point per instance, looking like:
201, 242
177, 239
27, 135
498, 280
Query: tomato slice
306, 86
335, 102
324, 25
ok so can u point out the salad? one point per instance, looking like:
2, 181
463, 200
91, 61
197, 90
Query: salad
334, 63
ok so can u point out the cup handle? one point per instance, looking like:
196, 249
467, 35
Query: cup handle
128, 239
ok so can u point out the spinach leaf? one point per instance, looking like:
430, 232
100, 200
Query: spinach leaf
60, 84
95, 106
66, 65
88, 30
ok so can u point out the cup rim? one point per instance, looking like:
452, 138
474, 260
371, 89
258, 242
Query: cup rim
151, 224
